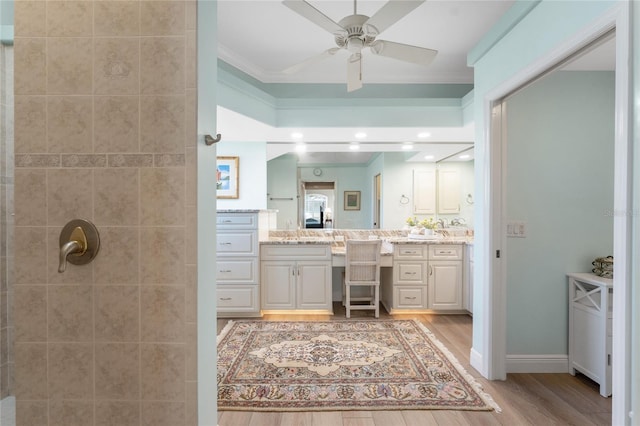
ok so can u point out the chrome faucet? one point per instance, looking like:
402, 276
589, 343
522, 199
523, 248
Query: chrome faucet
442, 223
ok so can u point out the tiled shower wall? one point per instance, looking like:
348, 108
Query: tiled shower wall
6, 220
105, 106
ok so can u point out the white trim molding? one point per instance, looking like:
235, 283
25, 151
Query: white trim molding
536, 363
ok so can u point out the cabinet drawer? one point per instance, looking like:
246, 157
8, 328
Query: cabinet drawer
410, 251
445, 251
295, 251
410, 273
243, 243
410, 297
237, 298
237, 271
236, 221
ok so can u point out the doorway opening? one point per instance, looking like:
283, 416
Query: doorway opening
501, 266
318, 205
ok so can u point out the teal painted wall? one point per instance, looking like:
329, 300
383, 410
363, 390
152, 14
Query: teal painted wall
546, 26
252, 186
282, 184
560, 139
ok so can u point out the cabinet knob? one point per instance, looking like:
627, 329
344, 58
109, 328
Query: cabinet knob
225, 298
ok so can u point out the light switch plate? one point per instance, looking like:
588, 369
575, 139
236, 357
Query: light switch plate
516, 229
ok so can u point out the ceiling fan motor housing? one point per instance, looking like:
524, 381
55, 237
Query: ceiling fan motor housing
354, 37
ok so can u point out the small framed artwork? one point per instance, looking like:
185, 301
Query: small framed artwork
228, 176
352, 200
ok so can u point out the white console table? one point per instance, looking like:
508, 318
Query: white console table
590, 328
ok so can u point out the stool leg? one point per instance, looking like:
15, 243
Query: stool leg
348, 300
376, 300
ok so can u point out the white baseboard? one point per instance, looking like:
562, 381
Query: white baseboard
475, 359
537, 363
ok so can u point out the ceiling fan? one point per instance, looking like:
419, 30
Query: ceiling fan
356, 32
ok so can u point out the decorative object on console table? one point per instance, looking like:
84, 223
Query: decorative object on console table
603, 267
352, 200
228, 176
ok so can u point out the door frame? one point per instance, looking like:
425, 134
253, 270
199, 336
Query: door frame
493, 362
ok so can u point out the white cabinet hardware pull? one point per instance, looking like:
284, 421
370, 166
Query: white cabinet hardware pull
410, 273
225, 243
410, 298
430, 270
225, 298
227, 221
225, 270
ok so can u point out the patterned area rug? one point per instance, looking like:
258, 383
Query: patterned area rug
341, 365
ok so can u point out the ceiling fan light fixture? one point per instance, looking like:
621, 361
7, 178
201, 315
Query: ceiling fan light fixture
354, 44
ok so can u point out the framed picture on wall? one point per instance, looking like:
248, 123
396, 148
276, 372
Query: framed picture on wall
352, 200
228, 176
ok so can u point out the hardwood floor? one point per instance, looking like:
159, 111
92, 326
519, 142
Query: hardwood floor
525, 399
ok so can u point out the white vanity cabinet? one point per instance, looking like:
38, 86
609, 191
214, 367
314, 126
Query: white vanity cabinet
237, 262
408, 288
445, 276
590, 328
426, 277
296, 277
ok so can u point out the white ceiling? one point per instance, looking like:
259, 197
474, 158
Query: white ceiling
263, 37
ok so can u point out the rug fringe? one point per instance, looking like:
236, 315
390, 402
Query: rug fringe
488, 399
224, 331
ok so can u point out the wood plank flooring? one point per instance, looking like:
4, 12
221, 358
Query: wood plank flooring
525, 399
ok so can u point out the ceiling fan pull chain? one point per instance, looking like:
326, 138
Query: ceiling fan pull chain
355, 12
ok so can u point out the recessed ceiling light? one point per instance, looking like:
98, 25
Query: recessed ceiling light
407, 146
361, 135
296, 135
464, 156
301, 147
354, 147
424, 135
428, 157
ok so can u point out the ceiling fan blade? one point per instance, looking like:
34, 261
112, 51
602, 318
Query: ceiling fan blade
389, 14
314, 15
354, 72
311, 61
404, 52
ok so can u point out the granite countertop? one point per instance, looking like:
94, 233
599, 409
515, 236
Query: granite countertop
338, 247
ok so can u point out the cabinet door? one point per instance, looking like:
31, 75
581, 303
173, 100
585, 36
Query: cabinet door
424, 191
448, 191
277, 282
314, 285
445, 285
